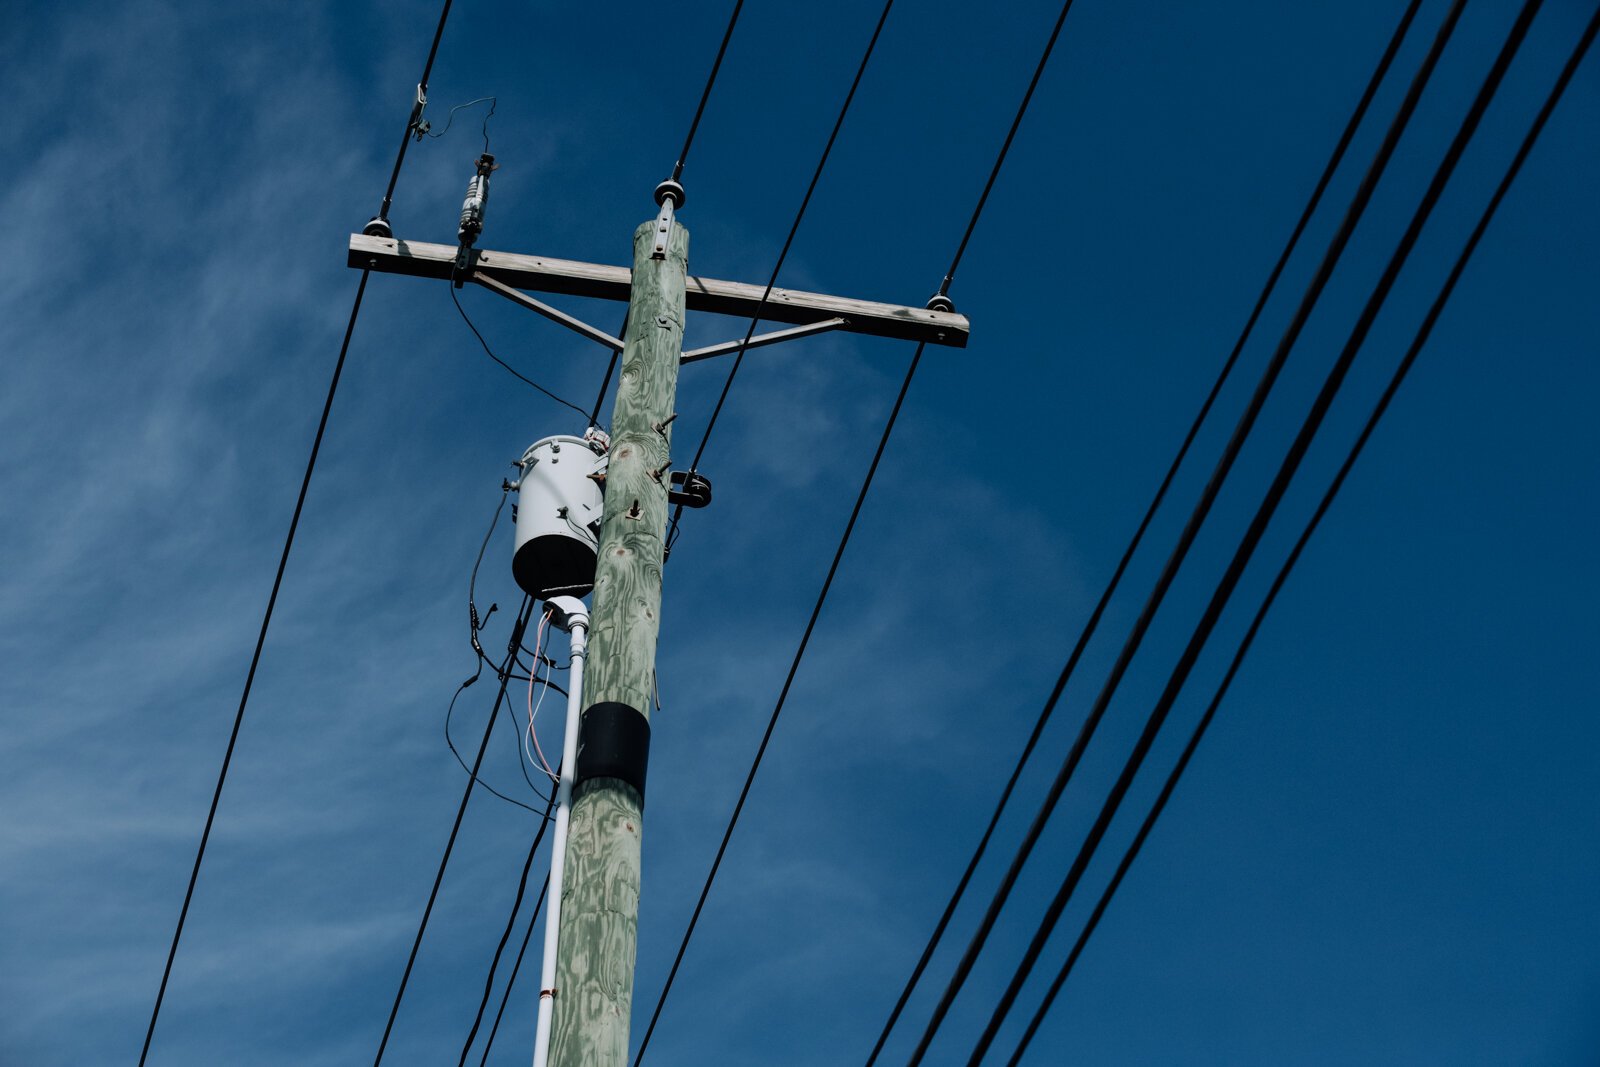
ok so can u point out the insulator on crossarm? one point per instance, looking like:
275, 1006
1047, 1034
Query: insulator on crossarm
476, 200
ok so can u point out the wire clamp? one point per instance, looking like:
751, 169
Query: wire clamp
418, 127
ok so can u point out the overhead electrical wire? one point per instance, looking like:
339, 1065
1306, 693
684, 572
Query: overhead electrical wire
1258, 524
515, 373
516, 968
416, 114
473, 620
283, 562
1201, 508
855, 511
783, 254
1418, 342
705, 94
444, 861
505, 935
450, 121
605, 382
476, 626
450, 741
1095, 615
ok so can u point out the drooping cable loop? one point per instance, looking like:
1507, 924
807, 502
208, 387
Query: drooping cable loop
513, 371
517, 629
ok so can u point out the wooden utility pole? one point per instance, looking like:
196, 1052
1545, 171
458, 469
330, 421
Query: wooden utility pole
598, 933
600, 898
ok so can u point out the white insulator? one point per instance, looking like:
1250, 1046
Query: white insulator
472, 209
558, 518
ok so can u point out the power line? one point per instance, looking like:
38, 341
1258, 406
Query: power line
514, 372
473, 620
516, 968
1138, 535
788, 242
611, 368
1192, 525
783, 695
416, 113
861, 496
477, 626
444, 861
1258, 523
450, 741
1005, 148
255, 661
705, 94
505, 936
283, 559
1417, 343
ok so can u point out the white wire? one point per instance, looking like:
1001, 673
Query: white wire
533, 708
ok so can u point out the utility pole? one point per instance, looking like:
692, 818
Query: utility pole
600, 898
598, 929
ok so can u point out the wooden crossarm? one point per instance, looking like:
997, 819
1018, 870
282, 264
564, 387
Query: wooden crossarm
548, 275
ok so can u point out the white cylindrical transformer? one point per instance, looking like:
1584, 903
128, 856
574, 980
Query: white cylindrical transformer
558, 518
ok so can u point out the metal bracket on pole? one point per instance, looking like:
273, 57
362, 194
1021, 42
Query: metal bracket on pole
668, 194
689, 489
555, 315
763, 339
663, 230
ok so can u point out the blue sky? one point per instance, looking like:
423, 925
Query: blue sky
1386, 849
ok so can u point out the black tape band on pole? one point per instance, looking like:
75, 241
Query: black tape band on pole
614, 742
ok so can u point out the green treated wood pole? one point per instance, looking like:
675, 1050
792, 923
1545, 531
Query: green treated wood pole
600, 898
